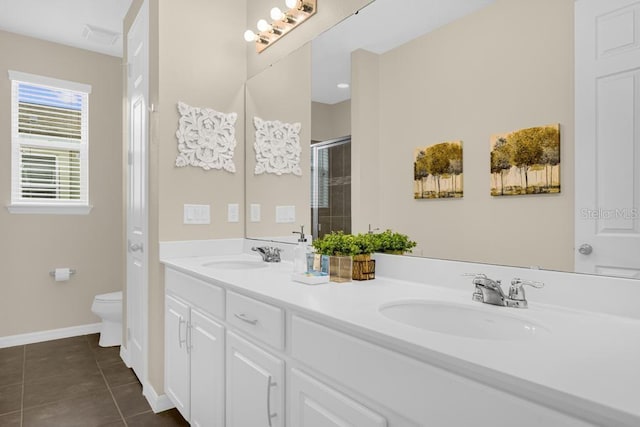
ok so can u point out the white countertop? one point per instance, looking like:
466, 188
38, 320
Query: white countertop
587, 365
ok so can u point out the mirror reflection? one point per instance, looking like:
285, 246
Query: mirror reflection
463, 71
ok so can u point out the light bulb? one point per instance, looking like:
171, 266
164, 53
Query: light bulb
250, 36
263, 25
276, 14
291, 3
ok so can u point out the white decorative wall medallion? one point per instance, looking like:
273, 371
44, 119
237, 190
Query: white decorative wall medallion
206, 138
277, 147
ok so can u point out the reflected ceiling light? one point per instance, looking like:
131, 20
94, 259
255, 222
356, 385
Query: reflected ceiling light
276, 14
250, 36
282, 22
263, 25
343, 85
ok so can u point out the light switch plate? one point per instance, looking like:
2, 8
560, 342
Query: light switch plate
197, 214
285, 214
233, 212
255, 212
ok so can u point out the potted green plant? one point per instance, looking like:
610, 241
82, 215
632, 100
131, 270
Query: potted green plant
349, 255
392, 242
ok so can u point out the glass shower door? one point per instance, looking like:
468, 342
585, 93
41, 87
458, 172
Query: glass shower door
331, 187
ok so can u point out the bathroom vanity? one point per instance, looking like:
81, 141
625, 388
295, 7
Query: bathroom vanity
245, 345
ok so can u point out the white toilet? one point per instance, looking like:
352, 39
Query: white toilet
109, 308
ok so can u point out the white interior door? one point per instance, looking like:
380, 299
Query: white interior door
137, 183
607, 104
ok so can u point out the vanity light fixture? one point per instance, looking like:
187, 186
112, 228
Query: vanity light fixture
343, 85
297, 12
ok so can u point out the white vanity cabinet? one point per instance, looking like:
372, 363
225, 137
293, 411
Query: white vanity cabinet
255, 376
194, 349
255, 385
176, 358
315, 404
423, 394
235, 360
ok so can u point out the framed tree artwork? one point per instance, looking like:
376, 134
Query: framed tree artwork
526, 161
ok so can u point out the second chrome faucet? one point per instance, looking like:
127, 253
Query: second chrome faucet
489, 291
268, 253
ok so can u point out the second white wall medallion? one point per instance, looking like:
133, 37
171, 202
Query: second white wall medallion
277, 147
206, 138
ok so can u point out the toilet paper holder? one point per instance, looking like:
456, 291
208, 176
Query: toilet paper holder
72, 271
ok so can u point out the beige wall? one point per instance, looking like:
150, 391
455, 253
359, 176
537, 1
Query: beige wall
329, 13
365, 141
32, 245
330, 121
281, 92
505, 67
202, 65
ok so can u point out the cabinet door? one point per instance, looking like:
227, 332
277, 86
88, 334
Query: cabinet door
176, 358
206, 346
255, 385
314, 404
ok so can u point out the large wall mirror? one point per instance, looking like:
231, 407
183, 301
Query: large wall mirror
470, 72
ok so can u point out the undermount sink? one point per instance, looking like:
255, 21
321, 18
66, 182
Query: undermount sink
236, 264
463, 320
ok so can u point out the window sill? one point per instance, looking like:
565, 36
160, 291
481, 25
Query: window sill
24, 208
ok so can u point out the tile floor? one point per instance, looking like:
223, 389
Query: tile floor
73, 382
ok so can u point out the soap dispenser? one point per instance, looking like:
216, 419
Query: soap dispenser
300, 253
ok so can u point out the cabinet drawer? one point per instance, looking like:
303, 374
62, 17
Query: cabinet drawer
258, 319
201, 294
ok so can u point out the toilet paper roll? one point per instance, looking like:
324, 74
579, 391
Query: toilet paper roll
62, 274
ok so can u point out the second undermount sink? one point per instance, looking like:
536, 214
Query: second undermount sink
242, 264
463, 320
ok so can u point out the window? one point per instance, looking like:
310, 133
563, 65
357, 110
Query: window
50, 147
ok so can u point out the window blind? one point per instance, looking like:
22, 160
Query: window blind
320, 177
50, 144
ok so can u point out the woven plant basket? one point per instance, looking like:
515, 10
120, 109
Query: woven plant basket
364, 268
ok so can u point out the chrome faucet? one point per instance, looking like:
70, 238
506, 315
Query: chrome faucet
489, 291
268, 253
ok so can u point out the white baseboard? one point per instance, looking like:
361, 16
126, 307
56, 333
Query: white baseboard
124, 355
158, 403
53, 334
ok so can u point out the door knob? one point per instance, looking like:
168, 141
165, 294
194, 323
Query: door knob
585, 249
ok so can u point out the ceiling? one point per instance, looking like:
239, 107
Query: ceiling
379, 27
64, 21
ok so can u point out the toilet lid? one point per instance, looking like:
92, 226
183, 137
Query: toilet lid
111, 297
